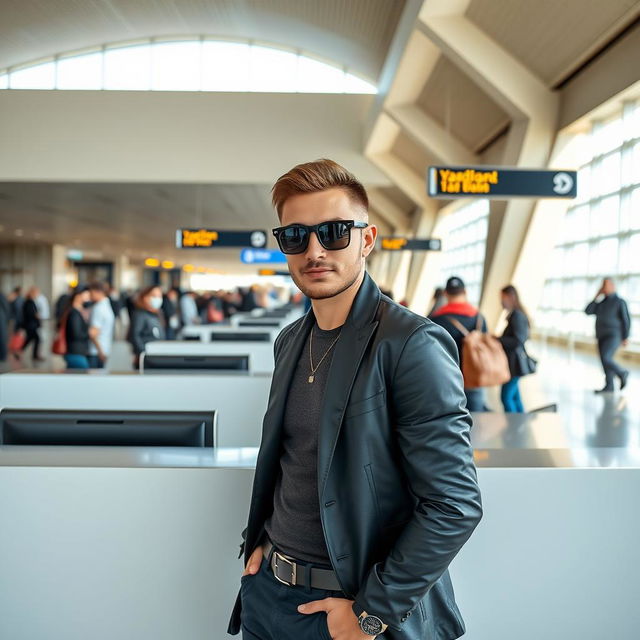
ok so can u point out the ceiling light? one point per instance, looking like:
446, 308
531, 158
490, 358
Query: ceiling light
167, 264
152, 262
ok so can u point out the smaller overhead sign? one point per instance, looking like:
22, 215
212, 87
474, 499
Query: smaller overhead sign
264, 256
411, 244
213, 238
272, 272
489, 182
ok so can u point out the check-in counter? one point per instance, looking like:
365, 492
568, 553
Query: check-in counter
260, 354
141, 544
213, 333
239, 401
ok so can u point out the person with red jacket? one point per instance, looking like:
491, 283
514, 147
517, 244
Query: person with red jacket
459, 309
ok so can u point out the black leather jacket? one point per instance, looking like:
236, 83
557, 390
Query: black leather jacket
396, 479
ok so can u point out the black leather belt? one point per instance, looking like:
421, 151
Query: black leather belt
289, 572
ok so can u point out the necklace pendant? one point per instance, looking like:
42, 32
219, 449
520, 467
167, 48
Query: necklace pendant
311, 379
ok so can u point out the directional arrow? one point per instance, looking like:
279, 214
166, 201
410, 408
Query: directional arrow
562, 183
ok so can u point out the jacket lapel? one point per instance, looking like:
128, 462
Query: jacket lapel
349, 351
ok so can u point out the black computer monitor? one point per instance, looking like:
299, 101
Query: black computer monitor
260, 323
239, 336
194, 363
276, 313
193, 338
108, 428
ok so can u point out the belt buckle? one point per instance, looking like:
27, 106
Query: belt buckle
279, 556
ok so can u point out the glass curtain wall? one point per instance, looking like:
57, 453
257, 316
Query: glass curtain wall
601, 230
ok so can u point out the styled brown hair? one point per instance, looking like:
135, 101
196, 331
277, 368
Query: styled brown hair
312, 177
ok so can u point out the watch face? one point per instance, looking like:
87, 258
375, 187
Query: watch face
371, 625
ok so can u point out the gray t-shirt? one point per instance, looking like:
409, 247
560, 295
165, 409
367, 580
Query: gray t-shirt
295, 527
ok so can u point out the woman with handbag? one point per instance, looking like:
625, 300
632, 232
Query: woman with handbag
76, 328
513, 339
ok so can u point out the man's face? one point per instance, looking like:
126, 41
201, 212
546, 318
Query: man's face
608, 287
318, 272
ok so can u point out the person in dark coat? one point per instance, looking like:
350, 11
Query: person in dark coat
31, 323
613, 325
147, 322
16, 305
5, 313
75, 321
513, 338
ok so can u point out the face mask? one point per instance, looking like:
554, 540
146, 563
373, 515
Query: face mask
156, 302
87, 304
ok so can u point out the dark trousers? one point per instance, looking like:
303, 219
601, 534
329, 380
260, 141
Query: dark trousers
32, 335
270, 609
607, 346
95, 362
510, 396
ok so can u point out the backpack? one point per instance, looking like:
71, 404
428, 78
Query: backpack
484, 362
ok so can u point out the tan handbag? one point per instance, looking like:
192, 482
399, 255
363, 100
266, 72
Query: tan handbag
484, 362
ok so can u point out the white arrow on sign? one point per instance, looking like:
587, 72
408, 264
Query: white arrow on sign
562, 183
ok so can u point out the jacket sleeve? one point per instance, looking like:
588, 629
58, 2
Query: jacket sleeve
518, 331
625, 319
136, 332
432, 431
592, 308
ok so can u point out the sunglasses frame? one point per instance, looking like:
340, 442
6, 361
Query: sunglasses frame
351, 224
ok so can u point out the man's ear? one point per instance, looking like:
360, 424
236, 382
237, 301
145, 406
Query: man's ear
369, 239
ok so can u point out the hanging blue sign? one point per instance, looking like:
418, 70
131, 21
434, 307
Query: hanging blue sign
262, 256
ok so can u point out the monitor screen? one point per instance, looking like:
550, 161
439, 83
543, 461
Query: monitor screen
239, 336
276, 313
193, 363
108, 428
194, 338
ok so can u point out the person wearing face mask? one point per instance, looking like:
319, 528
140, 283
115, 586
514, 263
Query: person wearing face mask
147, 323
77, 330
513, 339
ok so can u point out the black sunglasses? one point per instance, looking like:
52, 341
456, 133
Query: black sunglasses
333, 235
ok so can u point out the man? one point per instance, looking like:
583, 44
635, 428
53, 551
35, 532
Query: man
189, 309
613, 325
5, 313
365, 488
457, 310
101, 326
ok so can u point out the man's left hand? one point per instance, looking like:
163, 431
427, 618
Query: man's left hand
341, 620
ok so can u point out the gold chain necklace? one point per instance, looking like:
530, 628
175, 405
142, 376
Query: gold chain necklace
312, 377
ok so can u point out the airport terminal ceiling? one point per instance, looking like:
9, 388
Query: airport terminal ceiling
355, 32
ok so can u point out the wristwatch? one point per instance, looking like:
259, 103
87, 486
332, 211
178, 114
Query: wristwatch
371, 625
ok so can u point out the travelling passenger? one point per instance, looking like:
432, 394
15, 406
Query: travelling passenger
31, 323
613, 325
147, 323
439, 300
458, 311
42, 304
16, 304
101, 326
170, 314
76, 329
189, 309
513, 340
365, 487
5, 313
62, 303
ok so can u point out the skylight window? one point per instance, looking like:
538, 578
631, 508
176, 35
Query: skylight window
201, 64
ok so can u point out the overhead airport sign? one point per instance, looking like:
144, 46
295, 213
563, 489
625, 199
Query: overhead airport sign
411, 244
212, 238
264, 256
498, 182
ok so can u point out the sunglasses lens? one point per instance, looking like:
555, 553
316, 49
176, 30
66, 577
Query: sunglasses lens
334, 235
293, 239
